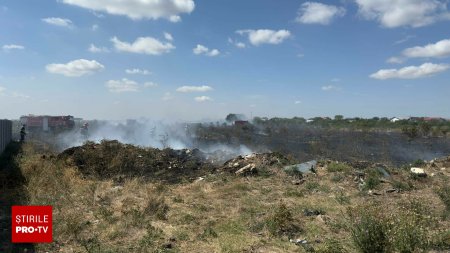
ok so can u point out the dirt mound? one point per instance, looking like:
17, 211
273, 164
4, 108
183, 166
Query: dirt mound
114, 160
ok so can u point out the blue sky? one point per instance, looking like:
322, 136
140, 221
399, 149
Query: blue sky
201, 59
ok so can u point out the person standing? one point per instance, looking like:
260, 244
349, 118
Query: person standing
23, 133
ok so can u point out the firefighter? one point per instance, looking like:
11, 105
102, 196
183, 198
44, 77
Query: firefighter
22, 133
84, 130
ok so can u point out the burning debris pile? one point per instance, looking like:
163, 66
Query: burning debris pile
114, 160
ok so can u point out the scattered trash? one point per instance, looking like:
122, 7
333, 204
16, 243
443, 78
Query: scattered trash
298, 241
419, 172
391, 190
312, 212
248, 169
383, 171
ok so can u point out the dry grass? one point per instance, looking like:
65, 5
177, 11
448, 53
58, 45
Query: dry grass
222, 213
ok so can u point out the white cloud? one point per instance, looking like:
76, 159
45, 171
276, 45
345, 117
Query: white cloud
200, 49
175, 19
237, 44
203, 99
143, 45
12, 47
405, 39
93, 49
410, 72
75, 68
64, 22
94, 28
138, 71
168, 36
396, 13
240, 44
139, 9
330, 88
19, 95
167, 96
318, 13
438, 49
265, 36
150, 84
187, 89
2, 89
297, 102
124, 85
395, 60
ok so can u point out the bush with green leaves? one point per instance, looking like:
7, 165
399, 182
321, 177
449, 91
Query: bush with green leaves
281, 222
338, 167
405, 228
372, 179
331, 246
369, 228
444, 195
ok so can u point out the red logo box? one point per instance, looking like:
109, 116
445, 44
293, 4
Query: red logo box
32, 224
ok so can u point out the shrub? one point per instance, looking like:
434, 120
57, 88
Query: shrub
157, 207
281, 222
418, 163
403, 229
372, 180
411, 226
331, 246
444, 195
402, 186
338, 167
341, 198
368, 229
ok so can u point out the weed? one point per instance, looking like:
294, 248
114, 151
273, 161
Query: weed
208, 232
281, 222
331, 246
312, 186
372, 180
368, 229
442, 240
342, 199
152, 237
418, 163
336, 178
444, 195
338, 167
157, 207
292, 192
402, 186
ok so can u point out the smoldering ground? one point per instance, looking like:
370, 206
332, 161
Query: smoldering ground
148, 133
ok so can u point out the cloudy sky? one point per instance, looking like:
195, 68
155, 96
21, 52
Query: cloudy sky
201, 59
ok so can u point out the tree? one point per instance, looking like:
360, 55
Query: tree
231, 117
338, 117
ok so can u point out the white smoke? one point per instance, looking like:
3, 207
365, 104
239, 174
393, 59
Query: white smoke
148, 133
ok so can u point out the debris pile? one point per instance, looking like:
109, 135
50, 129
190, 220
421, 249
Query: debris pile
254, 163
112, 159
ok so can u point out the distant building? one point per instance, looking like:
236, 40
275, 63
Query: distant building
428, 119
394, 119
5, 134
241, 123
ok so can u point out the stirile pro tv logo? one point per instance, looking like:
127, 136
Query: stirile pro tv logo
32, 224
